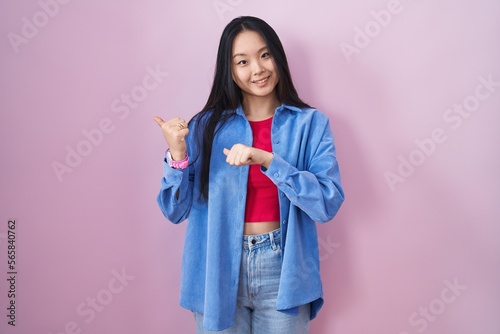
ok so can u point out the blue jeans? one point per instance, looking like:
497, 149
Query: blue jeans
258, 291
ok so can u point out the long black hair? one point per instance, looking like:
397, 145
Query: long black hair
226, 96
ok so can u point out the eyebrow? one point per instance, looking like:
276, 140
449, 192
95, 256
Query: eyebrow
243, 54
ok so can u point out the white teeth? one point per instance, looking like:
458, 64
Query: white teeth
261, 81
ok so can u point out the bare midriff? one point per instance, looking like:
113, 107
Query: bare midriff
254, 228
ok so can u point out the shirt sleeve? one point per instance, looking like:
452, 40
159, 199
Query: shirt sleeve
176, 193
316, 189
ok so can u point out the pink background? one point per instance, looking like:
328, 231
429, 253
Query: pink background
388, 258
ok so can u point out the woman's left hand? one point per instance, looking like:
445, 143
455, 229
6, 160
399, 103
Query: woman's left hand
241, 155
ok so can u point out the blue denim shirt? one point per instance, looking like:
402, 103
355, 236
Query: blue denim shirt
305, 170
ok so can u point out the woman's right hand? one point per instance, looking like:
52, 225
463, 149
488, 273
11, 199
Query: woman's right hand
175, 131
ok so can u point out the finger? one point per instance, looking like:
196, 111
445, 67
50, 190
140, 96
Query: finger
174, 121
238, 157
247, 157
244, 158
177, 125
183, 133
178, 120
225, 151
231, 157
158, 120
181, 126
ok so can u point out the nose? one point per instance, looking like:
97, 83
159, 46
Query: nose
257, 68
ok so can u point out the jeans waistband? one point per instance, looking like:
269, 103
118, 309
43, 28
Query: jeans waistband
272, 239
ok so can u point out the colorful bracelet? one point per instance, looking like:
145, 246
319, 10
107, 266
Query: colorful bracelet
176, 164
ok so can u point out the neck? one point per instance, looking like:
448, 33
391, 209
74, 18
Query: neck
258, 108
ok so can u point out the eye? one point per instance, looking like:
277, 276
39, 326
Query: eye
242, 62
266, 55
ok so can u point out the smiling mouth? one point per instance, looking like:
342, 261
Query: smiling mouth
261, 81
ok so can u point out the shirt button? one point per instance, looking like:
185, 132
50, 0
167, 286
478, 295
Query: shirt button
284, 221
276, 174
276, 141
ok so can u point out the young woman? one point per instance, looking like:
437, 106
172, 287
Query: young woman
252, 173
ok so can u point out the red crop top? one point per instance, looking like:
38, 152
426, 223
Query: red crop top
262, 203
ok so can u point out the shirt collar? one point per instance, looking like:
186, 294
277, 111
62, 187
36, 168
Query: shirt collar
239, 110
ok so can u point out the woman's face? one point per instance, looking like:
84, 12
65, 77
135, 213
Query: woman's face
252, 66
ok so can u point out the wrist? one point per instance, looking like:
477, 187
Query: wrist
268, 158
176, 163
177, 155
